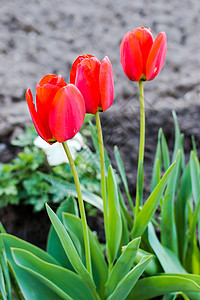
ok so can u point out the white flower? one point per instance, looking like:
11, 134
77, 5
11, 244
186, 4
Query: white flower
55, 153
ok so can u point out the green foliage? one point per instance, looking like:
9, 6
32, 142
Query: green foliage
22, 180
148, 265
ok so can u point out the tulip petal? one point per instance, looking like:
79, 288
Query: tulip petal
44, 98
45, 135
106, 83
145, 39
67, 113
88, 84
46, 79
131, 57
156, 57
75, 64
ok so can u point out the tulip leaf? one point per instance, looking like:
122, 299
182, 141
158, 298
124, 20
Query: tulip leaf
114, 217
193, 256
70, 189
150, 205
165, 152
5, 284
54, 246
122, 265
124, 209
73, 225
168, 227
178, 144
125, 237
167, 258
183, 195
154, 267
195, 181
30, 286
60, 280
70, 249
2, 285
127, 283
157, 163
150, 287
120, 166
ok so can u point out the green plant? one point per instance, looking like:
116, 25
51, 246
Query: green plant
22, 180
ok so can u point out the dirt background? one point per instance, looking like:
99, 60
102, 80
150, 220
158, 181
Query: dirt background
40, 37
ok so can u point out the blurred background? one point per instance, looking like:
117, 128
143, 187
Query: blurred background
41, 37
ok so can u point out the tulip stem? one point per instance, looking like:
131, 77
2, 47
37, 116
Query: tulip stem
103, 175
81, 207
139, 188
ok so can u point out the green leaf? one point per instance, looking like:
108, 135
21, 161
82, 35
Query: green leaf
150, 287
153, 267
5, 284
193, 256
178, 144
183, 195
114, 217
157, 163
30, 286
168, 226
127, 283
70, 189
122, 265
2, 285
70, 249
165, 152
73, 225
60, 280
195, 180
121, 169
124, 209
167, 258
150, 205
54, 246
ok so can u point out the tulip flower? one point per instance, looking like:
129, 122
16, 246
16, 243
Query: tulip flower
94, 79
60, 109
142, 57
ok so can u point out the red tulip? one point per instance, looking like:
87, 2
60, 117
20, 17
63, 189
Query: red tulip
142, 58
94, 79
60, 109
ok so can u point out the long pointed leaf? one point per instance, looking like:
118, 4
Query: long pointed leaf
70, 189
167, 258
184, 194
4, 269
195, 180
62, 281
122, 265
54, 246
155, 286
127, 283
165, 152
150, 205
157, 163
168, 226
70, 249
99, 267
120, 166
114, 217
30, 287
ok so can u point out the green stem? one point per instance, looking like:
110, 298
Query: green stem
103, 175
81, 207
139, 189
